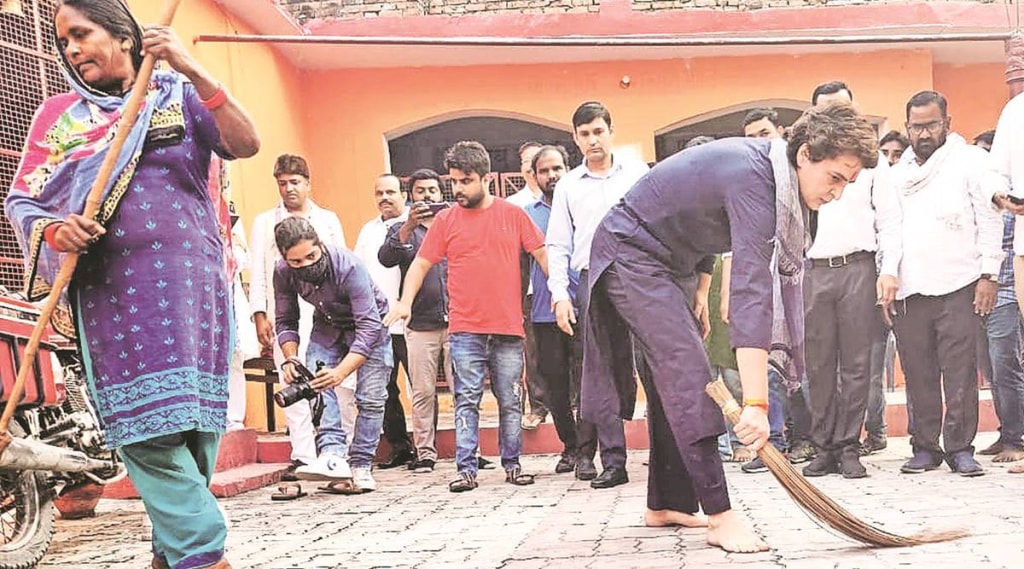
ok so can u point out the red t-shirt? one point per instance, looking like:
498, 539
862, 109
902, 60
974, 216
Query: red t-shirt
483, 248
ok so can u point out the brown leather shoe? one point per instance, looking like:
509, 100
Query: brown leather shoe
159, 563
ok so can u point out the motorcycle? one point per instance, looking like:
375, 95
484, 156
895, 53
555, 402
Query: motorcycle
58, 443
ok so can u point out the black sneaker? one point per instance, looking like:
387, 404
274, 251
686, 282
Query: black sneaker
754, 466
802, 451
289, 474
422, 466
399, 457
565, 464
484, 464
873, 444
964, 464
823, 464
923, 461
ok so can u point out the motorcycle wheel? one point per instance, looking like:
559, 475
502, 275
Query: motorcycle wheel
26, 516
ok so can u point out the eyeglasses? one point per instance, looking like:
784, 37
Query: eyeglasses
931, 127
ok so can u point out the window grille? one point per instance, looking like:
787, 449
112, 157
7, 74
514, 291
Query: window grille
29, 73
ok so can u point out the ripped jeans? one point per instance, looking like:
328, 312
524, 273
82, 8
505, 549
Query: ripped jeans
473, 355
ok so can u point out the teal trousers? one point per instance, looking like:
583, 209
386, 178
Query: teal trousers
172, 474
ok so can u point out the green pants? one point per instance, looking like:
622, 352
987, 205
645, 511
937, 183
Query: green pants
172, 474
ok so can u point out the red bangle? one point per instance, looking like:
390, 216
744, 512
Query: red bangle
50, 233
216, 100
761, 403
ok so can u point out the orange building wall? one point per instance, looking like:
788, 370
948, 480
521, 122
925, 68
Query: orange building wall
976, 94
265, 83
350, 110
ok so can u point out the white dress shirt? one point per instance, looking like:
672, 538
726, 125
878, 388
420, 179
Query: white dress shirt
866, 218
264, 256
582, 199
952, 233
389, 279
1008, 157
523, 197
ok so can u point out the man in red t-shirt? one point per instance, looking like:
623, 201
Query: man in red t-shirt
482, 240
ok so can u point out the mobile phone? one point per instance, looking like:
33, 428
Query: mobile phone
437, 207
1015, 200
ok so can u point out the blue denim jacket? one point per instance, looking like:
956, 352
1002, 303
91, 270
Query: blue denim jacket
348, 306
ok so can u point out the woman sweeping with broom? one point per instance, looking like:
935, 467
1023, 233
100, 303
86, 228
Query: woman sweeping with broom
150, 299
752, 197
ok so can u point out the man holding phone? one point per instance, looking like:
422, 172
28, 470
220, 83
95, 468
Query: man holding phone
426, 332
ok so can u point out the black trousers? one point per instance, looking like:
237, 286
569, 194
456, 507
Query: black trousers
841, 324
556, 366
610, 433
536, 388
937, 338
396, 432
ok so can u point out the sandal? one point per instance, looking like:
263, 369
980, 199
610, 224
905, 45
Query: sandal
515, 476
287, 492
464, 483
340, 487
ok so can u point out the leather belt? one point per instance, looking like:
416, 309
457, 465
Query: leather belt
842, 261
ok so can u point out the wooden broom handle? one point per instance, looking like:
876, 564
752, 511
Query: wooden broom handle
92, 205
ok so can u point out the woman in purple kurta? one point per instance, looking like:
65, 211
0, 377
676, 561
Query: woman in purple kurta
748, 196
150, 301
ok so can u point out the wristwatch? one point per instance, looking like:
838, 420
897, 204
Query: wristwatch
990, 277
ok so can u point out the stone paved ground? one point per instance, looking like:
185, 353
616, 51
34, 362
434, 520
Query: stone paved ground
413, 521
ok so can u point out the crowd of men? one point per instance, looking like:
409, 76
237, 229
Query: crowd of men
920, 248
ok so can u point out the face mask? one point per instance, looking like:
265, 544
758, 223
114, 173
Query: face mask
314, 273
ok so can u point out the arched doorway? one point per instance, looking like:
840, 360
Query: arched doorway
728, 121
423, 144
720, 123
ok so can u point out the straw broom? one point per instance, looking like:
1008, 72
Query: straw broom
92, 205
821, 507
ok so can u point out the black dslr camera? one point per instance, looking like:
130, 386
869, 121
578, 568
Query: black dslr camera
300, 389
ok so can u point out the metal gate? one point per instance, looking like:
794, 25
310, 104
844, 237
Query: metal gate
29, 73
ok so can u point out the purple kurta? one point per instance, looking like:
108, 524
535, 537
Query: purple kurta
707, 200
152, 295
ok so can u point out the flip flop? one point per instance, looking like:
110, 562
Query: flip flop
287, 492
346, 487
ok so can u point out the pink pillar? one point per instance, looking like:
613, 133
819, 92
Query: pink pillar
1015, 63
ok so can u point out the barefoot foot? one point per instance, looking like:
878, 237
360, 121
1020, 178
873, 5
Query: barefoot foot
1016, 469
667, 518
1009, 454
728, 531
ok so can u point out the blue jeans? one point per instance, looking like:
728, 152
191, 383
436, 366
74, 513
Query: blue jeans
371, 394
1004, 348
473, 355
777, 403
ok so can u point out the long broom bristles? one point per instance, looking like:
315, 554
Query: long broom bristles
814, 501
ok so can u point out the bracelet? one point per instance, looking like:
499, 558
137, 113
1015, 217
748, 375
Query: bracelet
216, 100
50, 235
760, 403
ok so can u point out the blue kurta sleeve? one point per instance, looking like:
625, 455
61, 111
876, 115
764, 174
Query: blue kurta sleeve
355, 281
286, 306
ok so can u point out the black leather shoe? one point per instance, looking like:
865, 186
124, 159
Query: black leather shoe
823, 464
585, 470
964, 464
610, 478
565, 464
922, 461
849, 463
398, 458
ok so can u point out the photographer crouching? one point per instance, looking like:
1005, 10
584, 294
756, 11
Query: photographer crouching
348, 337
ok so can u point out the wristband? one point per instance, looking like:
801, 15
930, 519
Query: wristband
216, 100
50, 235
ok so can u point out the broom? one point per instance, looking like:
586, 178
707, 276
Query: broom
92, 205
814, 501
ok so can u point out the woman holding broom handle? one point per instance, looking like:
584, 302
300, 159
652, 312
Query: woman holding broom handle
150, 300
752, 197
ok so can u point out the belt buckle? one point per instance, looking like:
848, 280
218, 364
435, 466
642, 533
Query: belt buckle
841, 263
